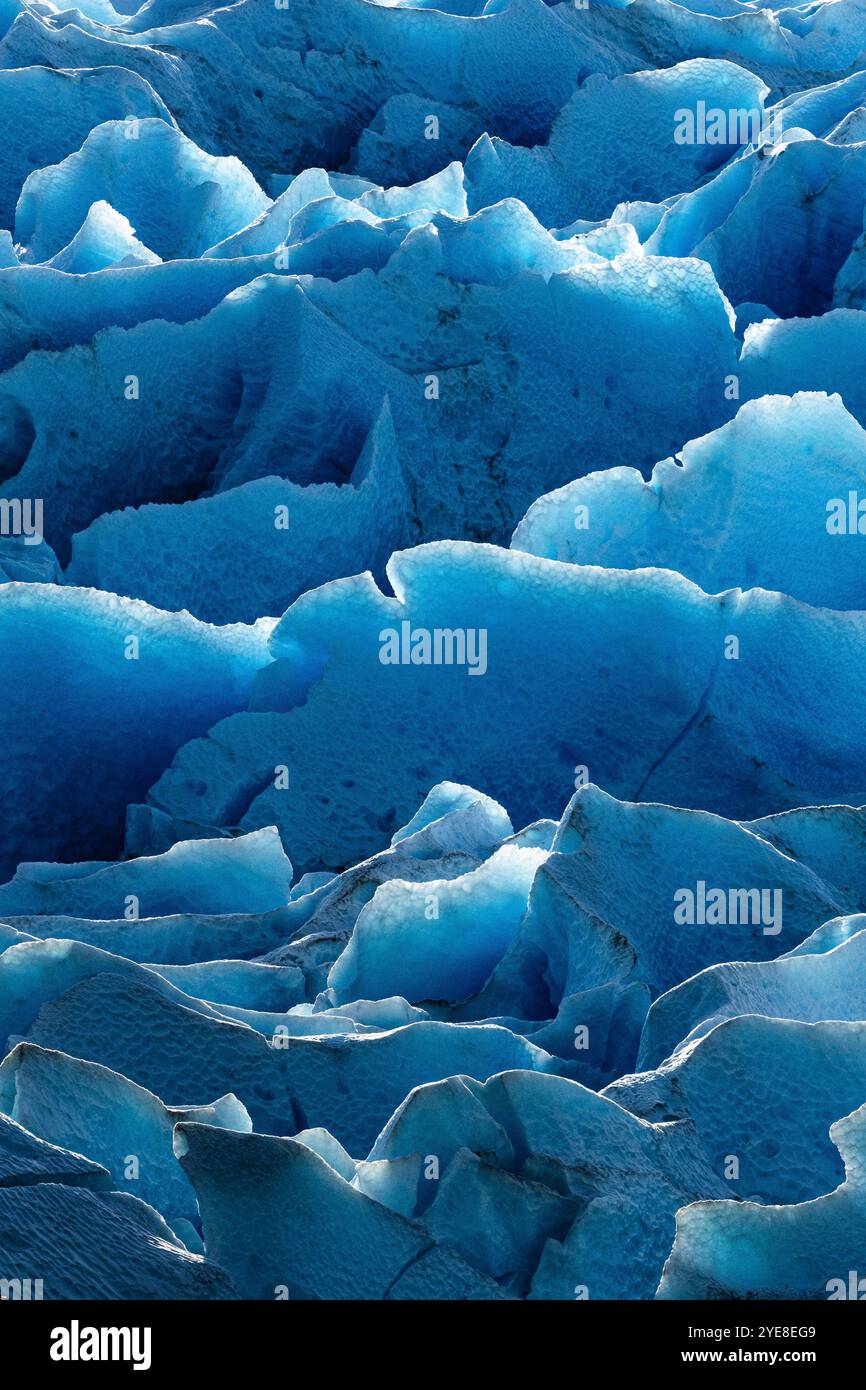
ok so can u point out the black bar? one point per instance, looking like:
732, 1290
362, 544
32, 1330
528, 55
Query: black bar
227, 1339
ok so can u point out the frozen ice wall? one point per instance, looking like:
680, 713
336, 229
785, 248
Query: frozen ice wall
432, 649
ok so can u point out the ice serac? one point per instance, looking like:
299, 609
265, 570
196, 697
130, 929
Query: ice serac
339, 347
92, 1110
272, 227
100, 692
332, 1073
830, 839
312, 203
829, 935
625, 894
782, 356
225, 391
452, 815
105, 238
243, 984
439, 939
250, 873
35, 973
808, 987
505, 240
328, 1148
180, 199
763, 1091
454, 831
260, 544
819, 109
538, 374
742, 1250
515, 69
711, 513
389, 150
285, 1224
47, 112
51, 310
382, 1068
821, 187
180, 939
99, 1245
500, 385
596, 155
537, 1180
25, 1159
722, 735
514, 1217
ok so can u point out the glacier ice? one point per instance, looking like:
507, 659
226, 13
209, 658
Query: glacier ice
179, 199
65, 997
818, 182
597, 900
229, 386
506, 1150
596, 154
709, 512
104, 689
54, 109
244, 984
26, 1158
783, 356
828, 838
509, 1211
91, 1110
100, 1245
439, 939
290, 535
733, 1084
283, 1222
248, 873
432, 496
743, 1250
710, 734
808, 987
105, 238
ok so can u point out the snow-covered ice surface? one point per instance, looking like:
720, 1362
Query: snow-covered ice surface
433, 649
